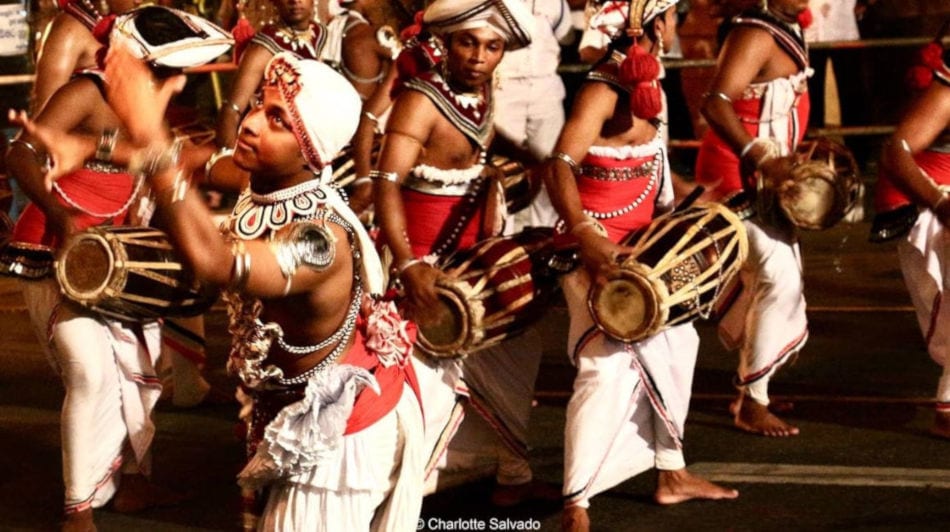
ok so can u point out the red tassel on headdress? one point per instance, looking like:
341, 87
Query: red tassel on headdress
805, 18
640, 72
931, 56
413, 29
242, 32
103, 28
416, 57
919, 77
63, 3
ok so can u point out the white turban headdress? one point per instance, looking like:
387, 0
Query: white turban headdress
510, 19
324, 112
613, 17
169, 38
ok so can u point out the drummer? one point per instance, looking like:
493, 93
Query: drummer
914, 185
609, 176
107, 366
757, 108
432, 198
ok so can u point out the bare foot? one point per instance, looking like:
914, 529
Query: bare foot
136, 493
575, 519
678, 486
755, 418
79, 522
533, 490
941, 425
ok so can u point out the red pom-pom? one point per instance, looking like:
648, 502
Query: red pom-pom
646, 100
638, 66
103, 28
413, 29
63, 3
805, 18
919, 77
931, 55
242, 32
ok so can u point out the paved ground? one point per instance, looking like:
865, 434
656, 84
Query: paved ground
861, 392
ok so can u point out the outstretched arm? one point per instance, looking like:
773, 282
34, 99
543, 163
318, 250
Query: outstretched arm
923, 123
246, 81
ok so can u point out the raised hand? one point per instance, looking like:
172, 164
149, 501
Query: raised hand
138, 98
67, 152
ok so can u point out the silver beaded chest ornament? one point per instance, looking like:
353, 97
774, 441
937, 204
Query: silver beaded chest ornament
295, 242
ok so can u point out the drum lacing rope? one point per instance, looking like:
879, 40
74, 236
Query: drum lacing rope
657, 160
80, 208
699, 309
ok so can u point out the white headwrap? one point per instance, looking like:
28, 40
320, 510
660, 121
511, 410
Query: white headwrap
324, 112
510, 19
611, 17
204, 43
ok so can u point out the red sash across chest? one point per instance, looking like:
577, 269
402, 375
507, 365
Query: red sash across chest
605, 196
96, 192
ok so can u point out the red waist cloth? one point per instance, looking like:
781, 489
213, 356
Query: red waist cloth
716, 161
888, 195
96, 192
369, 407
603, 196
429, 216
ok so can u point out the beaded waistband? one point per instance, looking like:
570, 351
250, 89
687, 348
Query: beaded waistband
622, 173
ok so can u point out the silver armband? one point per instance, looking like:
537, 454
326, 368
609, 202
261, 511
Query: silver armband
215, 157
241, 270
106, 144
392, 177
304, 244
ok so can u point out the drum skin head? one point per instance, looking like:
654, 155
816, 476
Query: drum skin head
86, 266
458, 326
626, 307
809, 201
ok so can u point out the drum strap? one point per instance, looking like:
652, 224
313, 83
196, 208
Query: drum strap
452, 230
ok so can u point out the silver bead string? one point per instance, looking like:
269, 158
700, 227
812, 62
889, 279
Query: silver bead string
657, 160
340, 333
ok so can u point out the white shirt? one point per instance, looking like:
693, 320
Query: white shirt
833, 21
552, 20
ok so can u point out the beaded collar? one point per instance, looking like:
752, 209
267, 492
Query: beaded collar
279, 38
256, 214
789, 37
83, 11
608, 71
472, 113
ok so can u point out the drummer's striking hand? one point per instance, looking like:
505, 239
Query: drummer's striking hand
423, 299
67, 152
137, 96
600, 256
942, 211
63, 222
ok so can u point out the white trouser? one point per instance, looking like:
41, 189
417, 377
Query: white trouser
628, 409
530, 112
111, 388
376, 484
767, 322
477, 412
925, 262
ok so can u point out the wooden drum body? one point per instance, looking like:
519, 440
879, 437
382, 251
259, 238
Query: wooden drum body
497, 288
130, 273
679, 267
820, 189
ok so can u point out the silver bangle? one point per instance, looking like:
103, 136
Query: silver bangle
399, 270
106, 144
43, 160
241, 270
720, 95
392, 177
373, 118
566, 159
152, 161
213, 160
361, 180
232, 106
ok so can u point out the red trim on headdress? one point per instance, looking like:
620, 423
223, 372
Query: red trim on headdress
806, 18
640, 71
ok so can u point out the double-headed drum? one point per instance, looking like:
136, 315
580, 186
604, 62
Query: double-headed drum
130, 273
679, 267
496, 289
519, 186
821, 187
